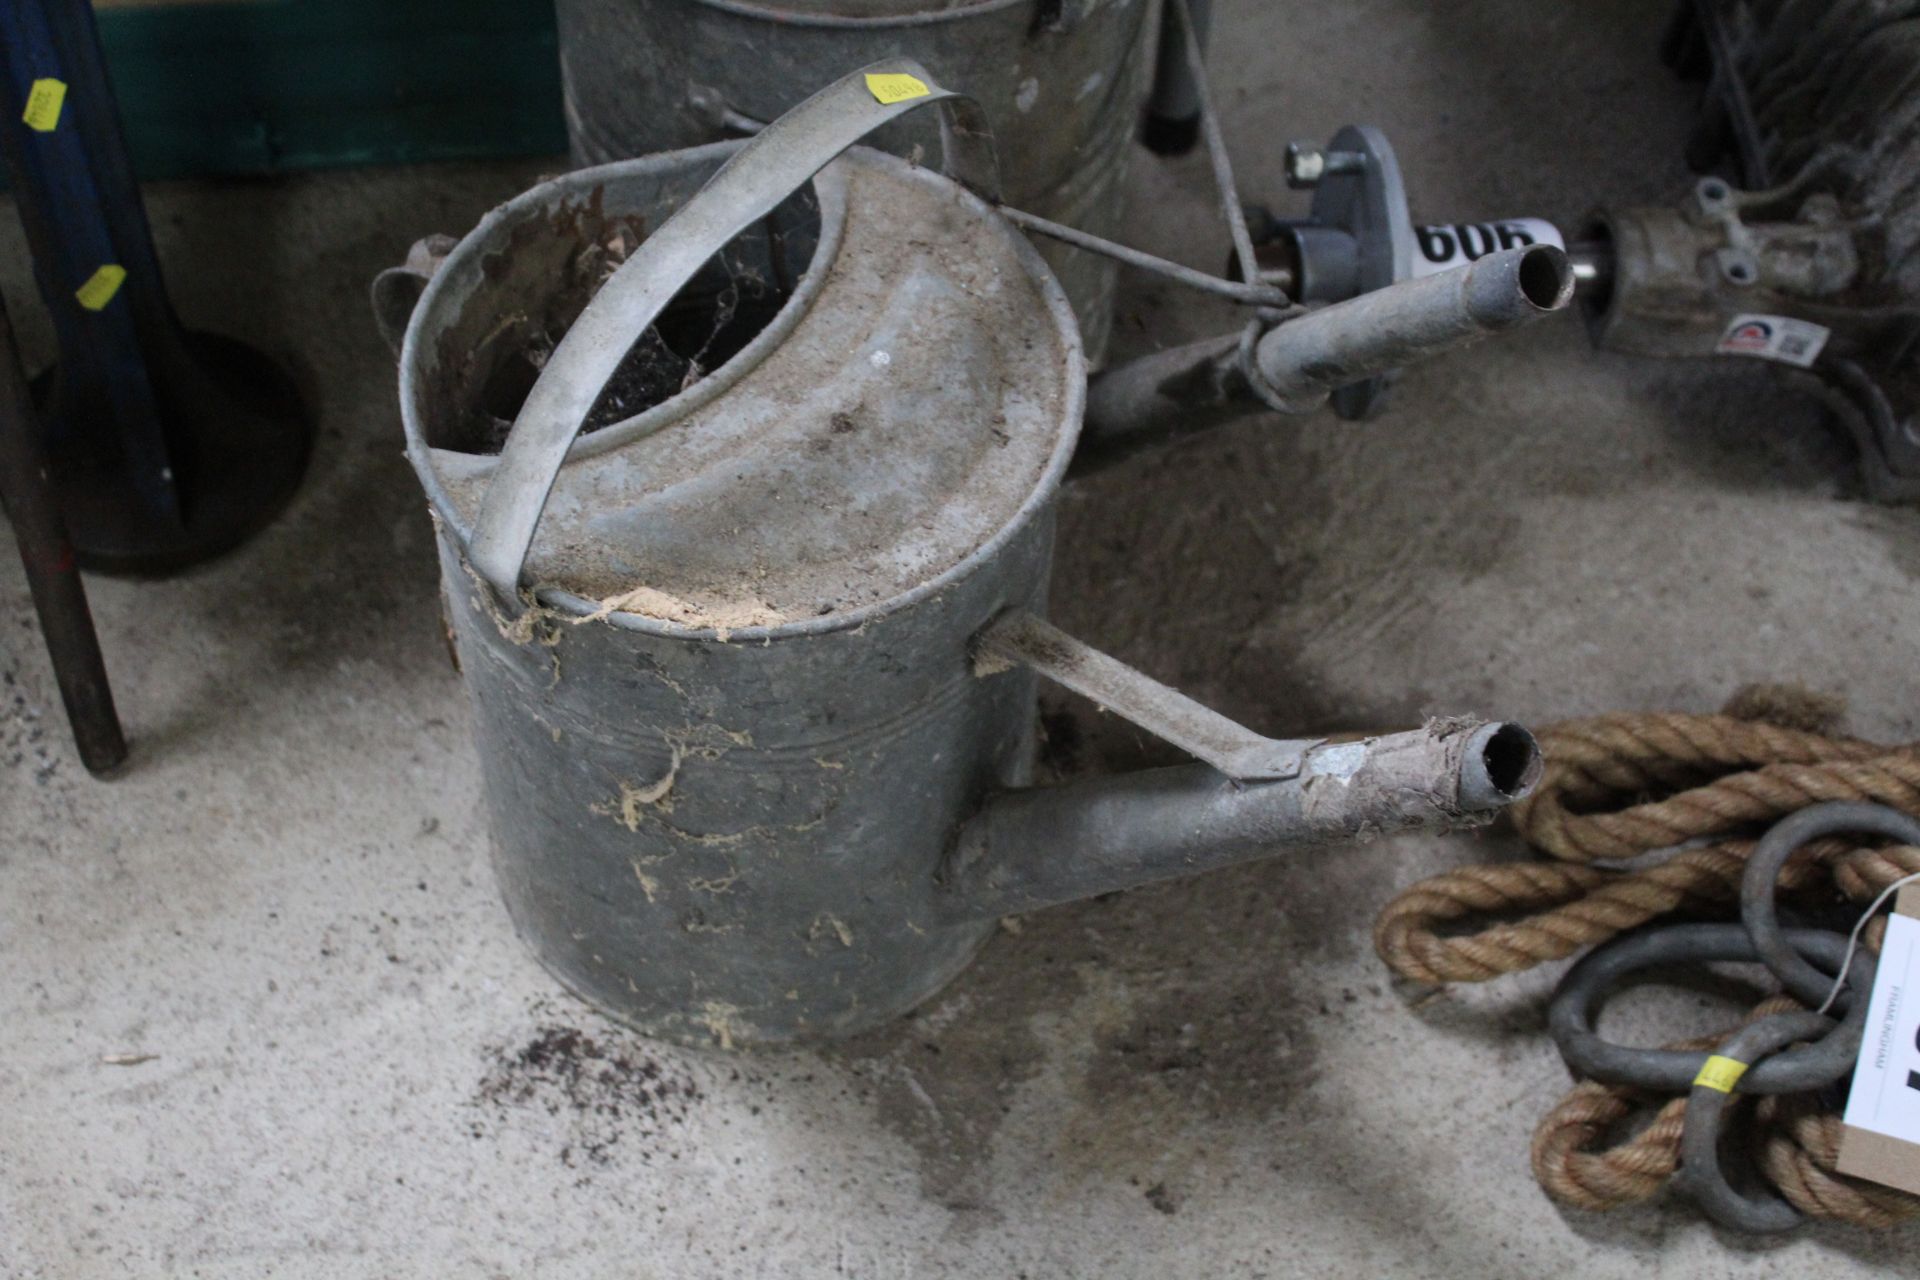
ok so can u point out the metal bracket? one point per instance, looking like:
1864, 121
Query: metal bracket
1366, 198
1168, 714
396, 291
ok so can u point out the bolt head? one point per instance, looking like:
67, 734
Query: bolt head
1306, 163
707, 105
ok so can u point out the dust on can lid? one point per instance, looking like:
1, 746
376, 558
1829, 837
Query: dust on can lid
854, 397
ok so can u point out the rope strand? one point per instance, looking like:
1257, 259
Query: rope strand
1620, 788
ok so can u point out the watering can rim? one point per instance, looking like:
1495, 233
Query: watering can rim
830, 187
1045, 487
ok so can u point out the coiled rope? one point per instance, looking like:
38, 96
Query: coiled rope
1627, 787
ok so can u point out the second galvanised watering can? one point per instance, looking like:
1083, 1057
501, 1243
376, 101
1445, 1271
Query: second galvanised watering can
645, 76
753, 658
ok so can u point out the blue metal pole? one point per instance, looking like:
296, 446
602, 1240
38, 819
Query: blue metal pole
88, 277
167, 446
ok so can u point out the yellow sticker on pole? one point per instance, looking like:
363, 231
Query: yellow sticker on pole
1720, 1073
100, 287
44, 101
895, 86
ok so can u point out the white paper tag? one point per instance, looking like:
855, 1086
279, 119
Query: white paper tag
1886, 1079
1444, 248
1781, 338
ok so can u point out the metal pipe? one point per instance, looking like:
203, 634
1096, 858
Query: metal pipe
1160, 397
1033, 849
1305, 360
1592, 263
53, 579
167, 446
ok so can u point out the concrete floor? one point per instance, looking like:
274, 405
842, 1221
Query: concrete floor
357, 1070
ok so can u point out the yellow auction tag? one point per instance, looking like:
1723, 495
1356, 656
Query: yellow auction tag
44, 101
895, 87
100, 287
1720, 1073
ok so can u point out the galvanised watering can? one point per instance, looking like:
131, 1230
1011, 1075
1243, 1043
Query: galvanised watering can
753, 656
1071, 76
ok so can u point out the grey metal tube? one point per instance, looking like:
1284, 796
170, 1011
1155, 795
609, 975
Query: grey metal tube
1168, 394
1172, 125
1031, 849
53, 579
1160, 397
1175, 96
1592, 262
1305, 360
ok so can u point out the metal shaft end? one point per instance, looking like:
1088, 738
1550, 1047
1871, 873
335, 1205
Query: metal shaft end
1513, 289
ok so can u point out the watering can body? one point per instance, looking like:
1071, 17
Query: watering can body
718, 810
753, 660
737, 842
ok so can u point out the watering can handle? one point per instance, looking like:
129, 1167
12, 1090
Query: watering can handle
771, 166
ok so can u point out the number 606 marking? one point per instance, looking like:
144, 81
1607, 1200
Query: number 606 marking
1443, 248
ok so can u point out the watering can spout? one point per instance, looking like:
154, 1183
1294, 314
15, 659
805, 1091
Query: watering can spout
1248, 796
1029, 849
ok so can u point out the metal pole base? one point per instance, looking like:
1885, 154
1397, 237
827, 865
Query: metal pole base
237, 432
1167, 136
